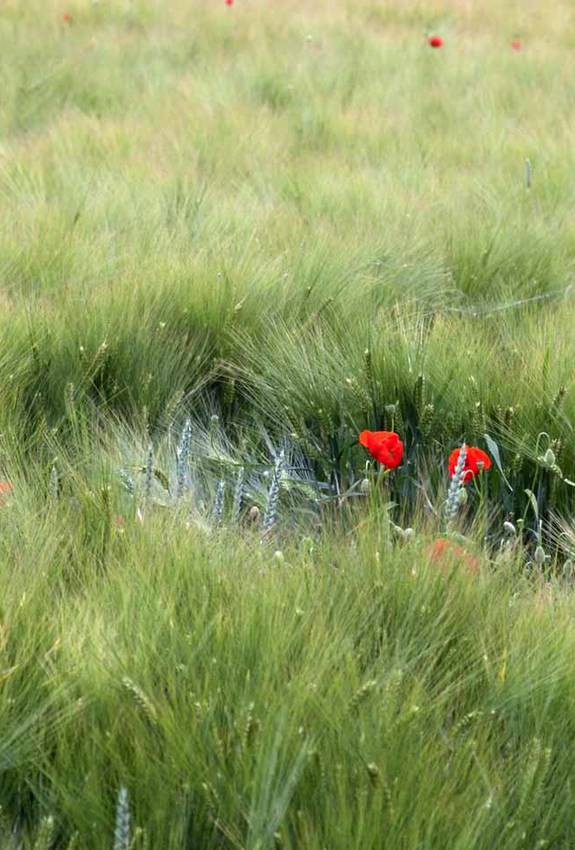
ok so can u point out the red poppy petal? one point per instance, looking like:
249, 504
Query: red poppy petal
364, 438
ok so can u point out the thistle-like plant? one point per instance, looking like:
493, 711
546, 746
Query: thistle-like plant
122, 831
453, 502
183, 458
127, 481
54, 484
272, 504
218, 509
149, 474
238, 495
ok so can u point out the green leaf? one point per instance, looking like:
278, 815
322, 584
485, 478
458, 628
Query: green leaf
494, 449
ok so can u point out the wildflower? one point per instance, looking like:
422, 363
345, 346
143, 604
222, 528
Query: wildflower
67, 18
444, 552
5, 489
384, 446
475, 462
229, 2
435, 41
516, 44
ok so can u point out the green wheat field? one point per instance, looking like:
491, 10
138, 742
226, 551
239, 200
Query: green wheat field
233, 236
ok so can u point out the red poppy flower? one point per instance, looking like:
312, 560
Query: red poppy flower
475, 462
444, 552
435, 41
229, 2
67, 18
384, 446
5, 489
516, 44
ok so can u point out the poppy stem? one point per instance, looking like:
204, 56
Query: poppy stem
382, 475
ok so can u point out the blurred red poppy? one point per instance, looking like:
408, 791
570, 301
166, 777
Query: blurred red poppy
5, 489
445, 552
67, 18
435, 41
516, 44
384, 446
476, 461
229, 2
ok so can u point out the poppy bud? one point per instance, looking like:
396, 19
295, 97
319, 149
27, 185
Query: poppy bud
364, 486
539, 556
509, 528
373, 773
435, 41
